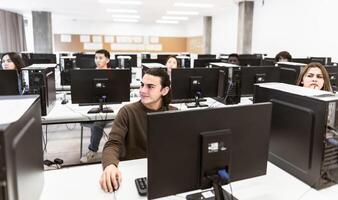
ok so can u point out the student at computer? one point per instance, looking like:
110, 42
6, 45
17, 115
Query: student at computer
171, 63
102, 58
13, 61
283, 56
128, 136
233, 59
315, 76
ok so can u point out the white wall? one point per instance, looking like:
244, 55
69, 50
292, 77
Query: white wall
194, 27
224, 31
302, 27
62, 25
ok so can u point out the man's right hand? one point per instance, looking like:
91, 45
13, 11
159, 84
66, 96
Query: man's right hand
110, 178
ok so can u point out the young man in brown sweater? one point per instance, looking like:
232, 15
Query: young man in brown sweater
128, 137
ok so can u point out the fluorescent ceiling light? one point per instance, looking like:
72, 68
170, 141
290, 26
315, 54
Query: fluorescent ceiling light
126, 16
125, 20
122, 11
172, 12
121, 2
166, 22
175, 18
194, 5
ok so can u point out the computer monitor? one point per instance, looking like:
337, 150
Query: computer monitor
301, 60
92, 86
233, 138
257, 74
38, 58
190, 83
21, 155
85, 61
333, 75
165, 56
126, 60
9, 82
304, 139
322, 60
289, 71
206, 56
250, 59
146, 60
205, 62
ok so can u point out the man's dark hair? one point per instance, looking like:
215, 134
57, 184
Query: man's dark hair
283, 54
234, 55
103, 51
16, 59
165, 82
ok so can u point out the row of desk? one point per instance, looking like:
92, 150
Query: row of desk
82, 182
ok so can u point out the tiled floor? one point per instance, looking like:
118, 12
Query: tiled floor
63, 141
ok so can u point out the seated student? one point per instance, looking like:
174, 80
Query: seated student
171, 63
102, 57
283, 56
12, 60
315, 76
233, 59
128, 136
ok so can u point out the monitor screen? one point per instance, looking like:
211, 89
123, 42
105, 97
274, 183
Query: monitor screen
179, 159
9, 82
21, 157
333, 75
85, 61
38, 58
204, 62
189, 83
126, 62
146, 60
202, 56
250, 59
257, 74
92, 85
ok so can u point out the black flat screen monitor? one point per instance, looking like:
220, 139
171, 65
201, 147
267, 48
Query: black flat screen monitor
257, 74
206, 56
85, 61
204, 62
42, 58
187, 83
333, 75
89, 86
162, 61
126, 63
250, 59
235, 138
21, 156
9, 82
165, 56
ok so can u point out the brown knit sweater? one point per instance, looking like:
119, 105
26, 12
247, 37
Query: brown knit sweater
128, 136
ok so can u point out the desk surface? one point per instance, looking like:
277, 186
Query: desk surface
83, 183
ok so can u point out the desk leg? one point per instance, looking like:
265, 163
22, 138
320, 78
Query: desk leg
81, 141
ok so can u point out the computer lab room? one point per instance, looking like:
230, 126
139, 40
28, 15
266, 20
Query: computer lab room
170, 99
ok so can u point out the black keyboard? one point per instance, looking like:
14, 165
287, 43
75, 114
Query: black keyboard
186, 100
142, 186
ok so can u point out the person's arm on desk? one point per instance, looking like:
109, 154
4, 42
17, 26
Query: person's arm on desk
111, 176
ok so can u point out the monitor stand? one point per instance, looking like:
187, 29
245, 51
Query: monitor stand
100, 109
196, 103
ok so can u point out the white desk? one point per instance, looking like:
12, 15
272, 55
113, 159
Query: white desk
83, 183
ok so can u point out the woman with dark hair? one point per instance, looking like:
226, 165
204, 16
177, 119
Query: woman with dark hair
13, 61
315, 76
171, 63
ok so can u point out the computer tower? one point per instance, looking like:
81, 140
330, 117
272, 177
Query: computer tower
230, 82
21, 155
304, 138
66, 65
41, 81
